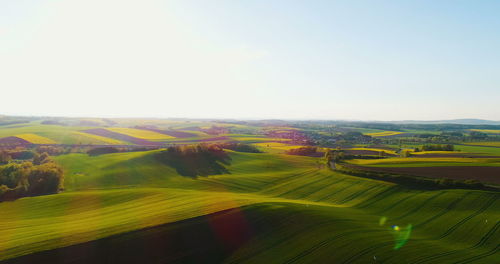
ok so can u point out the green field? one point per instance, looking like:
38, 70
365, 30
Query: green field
486, 144
475, 149
296, 212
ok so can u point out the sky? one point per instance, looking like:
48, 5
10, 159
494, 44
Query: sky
251, 59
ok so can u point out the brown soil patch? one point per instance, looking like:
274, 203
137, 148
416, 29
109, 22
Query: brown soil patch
452, 155
13, 141
482, 174
168, 132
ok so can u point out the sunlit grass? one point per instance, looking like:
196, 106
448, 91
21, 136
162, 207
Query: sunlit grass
300, 204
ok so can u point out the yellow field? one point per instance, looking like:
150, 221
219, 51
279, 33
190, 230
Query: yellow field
139, 133
434, 152
103, 139
392, 152
487, 144
488, 131
384, 134
36, 139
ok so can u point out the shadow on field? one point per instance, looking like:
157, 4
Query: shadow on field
204, 239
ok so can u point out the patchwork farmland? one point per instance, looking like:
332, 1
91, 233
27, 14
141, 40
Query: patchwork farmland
125, 204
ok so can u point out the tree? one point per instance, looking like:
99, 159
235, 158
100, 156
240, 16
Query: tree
338, 155
328, 156
41, 159
405, 153
4, 157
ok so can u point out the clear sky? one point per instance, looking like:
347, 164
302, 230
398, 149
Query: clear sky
365, 60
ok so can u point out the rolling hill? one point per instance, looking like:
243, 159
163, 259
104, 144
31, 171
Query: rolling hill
129, 206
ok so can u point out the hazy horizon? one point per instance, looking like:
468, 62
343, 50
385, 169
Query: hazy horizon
246, 119
293, 60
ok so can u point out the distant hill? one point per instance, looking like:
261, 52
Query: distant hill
469, 121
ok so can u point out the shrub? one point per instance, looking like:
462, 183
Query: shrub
39, 159
102, 150
51, 150
22, 154
438, 147
303, 151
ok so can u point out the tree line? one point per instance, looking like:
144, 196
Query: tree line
437, 147
38, 176
196, 160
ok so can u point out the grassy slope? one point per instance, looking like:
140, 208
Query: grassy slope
298, 213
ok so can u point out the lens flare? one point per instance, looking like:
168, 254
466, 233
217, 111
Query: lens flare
402, 235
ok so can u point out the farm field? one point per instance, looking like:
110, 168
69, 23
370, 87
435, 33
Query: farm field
112, 198
267, 205
54, 134
486, 170
35, 139
140, 133
486, 144
428, 162
479, 149
488, 131
370, 151
384, 133
37, 133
